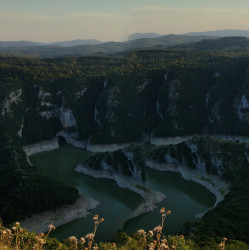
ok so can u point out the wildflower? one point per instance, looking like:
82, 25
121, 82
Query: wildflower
141, 232
14, 228
51, 227
158, 229
168, 212
18, 223
101, 220
72, 238
82, 240
181, 236
95, 217
151, 246
41, 234
163, 246
4, 232
8, 231
41, 241
162, 210
21, 230
225, 239
95, 248
151, 233
89, 236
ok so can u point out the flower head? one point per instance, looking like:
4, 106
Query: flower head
82, 240
95, 217
73, 238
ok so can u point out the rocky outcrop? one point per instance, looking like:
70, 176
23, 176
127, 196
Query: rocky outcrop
39, 222
67, 118
106, 147
159, 141
13, 98
72, 138
243, 109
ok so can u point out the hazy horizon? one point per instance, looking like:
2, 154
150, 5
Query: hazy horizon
114, 20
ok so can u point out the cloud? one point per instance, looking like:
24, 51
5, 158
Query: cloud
97, 15
166, 9
26, 17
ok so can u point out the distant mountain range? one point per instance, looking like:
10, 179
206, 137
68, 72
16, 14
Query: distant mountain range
64, 48
220, 33
76, 42
143, 35
234, 43
209, 40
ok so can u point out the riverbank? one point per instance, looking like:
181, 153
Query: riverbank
39, 222
150, 197
98, 148
214, 184
41, 147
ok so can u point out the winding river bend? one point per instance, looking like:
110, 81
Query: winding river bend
184, 198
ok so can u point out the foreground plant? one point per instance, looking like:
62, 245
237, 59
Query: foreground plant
88, 239
18, 238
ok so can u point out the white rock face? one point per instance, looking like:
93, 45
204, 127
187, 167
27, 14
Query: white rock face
142, 86
43, 97
207, 98
72, 139
80, 93
165, 76
244, 104
96, 116
47, 114
67, 119
13, 98
106, 147
19, 132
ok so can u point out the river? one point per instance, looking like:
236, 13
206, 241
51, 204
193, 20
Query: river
184, 198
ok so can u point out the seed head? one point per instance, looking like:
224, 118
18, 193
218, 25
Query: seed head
82, 240
151, 233
73, 238
89, 236
51, 227
141, 232
95, 217
157, 229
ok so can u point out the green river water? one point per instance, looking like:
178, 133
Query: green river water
184, 198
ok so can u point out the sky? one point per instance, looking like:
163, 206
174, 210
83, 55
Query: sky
114, 20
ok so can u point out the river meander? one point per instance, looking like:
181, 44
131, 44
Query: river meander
184, 198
